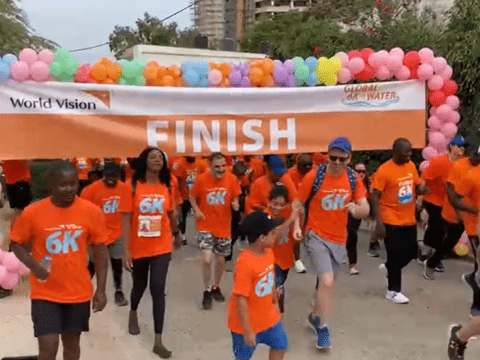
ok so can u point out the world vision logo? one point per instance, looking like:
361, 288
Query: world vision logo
102, 95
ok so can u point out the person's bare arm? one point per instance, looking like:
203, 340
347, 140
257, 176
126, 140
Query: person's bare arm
126, 224
375, 201
456, 200
199, 215
24, 256
361, 209
242, 305
175, 230
422, 188
101, 269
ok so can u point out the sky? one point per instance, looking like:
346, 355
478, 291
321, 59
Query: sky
79, 24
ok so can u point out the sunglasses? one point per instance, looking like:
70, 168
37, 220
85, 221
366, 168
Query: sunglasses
341, 159
361, 171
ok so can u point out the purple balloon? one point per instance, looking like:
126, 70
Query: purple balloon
245, 82
245, 69
291, 81
290, 66
235, 77
280, 75
277, 63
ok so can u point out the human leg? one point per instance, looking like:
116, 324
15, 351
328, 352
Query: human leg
140, 281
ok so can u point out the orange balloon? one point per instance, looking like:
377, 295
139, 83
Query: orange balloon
109, 81
104, 61
225, 83
114, 71
270, 82
168, 81
256, 75
162, 71
213, 66
152, 64
150, 73
255, 63
155, 82
175, 71
268, 65
98, 72
224, 69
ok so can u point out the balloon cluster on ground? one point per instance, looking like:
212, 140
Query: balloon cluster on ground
363, 65
11, 269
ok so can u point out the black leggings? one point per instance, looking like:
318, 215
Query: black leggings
182, 224
436, 226
158, 266
235, 227
117, 271
454, 233
352, 238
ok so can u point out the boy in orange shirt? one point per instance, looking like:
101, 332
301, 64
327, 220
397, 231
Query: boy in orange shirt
106, 194
213, 197
396, 186
253, 315
59, 229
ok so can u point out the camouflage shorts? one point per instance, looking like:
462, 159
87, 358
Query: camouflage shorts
207, 241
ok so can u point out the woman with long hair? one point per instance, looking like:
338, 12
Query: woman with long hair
148, 224
354, 224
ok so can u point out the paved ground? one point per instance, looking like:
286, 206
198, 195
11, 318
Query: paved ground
365, 326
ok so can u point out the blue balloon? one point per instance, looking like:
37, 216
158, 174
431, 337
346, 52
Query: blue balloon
185, 66
201, 67
312, 79
4, 70
10, 59
311, 62
191, 78
203, 82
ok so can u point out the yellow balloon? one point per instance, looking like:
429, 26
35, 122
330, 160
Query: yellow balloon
337, 63
323, 65
331, 80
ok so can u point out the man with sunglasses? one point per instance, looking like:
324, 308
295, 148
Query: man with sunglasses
395, 188
340, 191
303, 166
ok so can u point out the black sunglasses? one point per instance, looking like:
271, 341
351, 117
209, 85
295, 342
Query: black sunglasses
361, 171
341, 159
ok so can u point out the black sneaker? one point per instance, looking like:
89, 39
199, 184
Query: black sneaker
217, 294
440, 267
470, 280
373, 250
207, 300
183, 240
120, 299
456, 349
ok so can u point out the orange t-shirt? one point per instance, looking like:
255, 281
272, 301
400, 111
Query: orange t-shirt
319, 158
150, 233
261, 188
469, 188
284, 249
214, 197
459, 170
296, 177
64, 234
107, 199
16, 170
84, 166
397, 183
176, 191
254, 279
188, 172
435, 177
258, 168
328, 212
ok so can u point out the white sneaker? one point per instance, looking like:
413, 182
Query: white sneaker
299, 267
353, 270
383, 269
397, 297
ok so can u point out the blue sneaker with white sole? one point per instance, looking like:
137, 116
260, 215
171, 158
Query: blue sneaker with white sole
323, 341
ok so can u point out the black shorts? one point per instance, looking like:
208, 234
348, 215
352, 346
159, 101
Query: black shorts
19, 195
54, 318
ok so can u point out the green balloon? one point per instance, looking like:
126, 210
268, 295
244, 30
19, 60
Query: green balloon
140, 81
141, 61
299, 61
122, 81
302, 73
65, 77
129, 71
55, 69
62, 54
131, 81
70, 66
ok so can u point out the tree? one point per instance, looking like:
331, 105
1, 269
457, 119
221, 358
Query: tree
149, 31
16, 32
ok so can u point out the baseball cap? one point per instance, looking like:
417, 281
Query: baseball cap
275, 163
458, 141
258, 223
341, 143
111, 168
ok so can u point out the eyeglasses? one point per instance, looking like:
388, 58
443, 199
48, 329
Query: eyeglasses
341, 159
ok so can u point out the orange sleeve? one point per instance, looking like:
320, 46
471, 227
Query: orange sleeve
98, 229
455, 174
255, 198
292, 190
126, 199
306, 186
195, 191
22, 230
466, 186
359, 189
242, 282
235, 186
380, 180
87, 193
432, 171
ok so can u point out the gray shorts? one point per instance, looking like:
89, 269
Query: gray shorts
207, 241
115, 250
325, 256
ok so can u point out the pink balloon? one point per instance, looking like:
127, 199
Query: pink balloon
376, 60
426, 55
454, 117
384, 55
383, 73
46, 56
398, 53
215, 77
40, 71
434, 123
403, 73
453, 101
437, 139
3, 274
425, 72
11, 263
439, 65
433, 110
429, 152
10, 281
28, 56
447, 73
424, 164
343, 57
344, 76
443, 112
394, 62
356, 65
20, 71
449, 130
435, 83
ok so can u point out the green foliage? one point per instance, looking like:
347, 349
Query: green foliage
149, 31
16, 32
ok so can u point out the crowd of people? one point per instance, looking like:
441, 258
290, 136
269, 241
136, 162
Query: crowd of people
134, 212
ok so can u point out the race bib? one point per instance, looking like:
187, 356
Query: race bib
191, 177
149, 225
82, 163
405, 192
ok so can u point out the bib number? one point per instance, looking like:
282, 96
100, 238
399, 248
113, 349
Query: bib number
264, 285
149, 226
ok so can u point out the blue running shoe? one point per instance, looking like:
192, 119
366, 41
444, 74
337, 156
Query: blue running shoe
323, 341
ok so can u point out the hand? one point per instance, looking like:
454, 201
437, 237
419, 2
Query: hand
40, 272
127, 261
380, 231
352, 208
235, 204
249, 338
177, 242
297, 234
199, 214
99, 301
